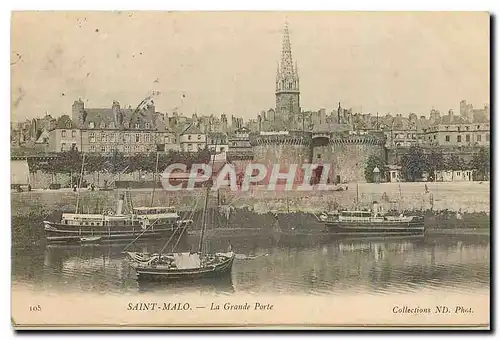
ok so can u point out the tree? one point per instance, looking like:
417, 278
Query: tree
372, 162
454, 162
413, 164
481, 164
435, 161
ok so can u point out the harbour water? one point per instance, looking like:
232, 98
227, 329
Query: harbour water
277, 264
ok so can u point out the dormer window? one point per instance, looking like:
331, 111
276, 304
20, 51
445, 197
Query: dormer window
91, 125
147, 125
137, 125
111, 125
189, 137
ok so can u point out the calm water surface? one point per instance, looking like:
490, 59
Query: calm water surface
309, 264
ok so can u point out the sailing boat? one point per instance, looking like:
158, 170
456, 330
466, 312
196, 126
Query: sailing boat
187, 265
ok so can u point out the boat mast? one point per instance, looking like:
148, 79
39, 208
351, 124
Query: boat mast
154, 178
204, 217
357, 190
79, 184
400, 196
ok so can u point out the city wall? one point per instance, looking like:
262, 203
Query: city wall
262, 212
406, 196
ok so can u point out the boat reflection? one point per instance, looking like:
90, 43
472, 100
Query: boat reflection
298, 264
221, 285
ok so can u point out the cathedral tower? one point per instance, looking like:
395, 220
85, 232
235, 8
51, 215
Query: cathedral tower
287, 83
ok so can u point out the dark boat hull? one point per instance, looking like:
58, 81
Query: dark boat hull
61, 233
403, 228
221, 270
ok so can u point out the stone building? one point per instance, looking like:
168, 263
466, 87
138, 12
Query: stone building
470, 114
192, 139
65, 136
458, 134
105, 130
217, 142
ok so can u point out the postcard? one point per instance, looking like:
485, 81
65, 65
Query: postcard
262, 170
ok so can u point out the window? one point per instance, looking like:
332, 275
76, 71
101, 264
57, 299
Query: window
73, 133
447, 138
221, 149
146, 125
92, 148
189, 137
148, 138
137, 138
467, 138
199, 137
103, 148
190, 147
92, 137
467, 128
91, 125
459, 139
137, 125
487, 137
111, 125
63, 146
63, 133
126, 137
318, 156
478, 127
127, 148
434, 137
478, 138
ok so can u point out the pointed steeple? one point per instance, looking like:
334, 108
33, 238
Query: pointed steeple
287, 82
287, 76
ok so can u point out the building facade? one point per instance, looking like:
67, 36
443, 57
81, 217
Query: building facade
476, 134
192, 139
65, 136
106, 130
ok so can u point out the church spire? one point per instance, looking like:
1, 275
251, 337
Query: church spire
287, 76
287, 82
286, 54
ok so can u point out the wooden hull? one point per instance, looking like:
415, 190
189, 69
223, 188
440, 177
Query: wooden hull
61, 233
221, 270
386, 227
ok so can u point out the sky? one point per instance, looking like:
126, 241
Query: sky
225, 62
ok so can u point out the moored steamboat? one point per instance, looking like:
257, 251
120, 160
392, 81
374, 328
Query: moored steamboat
146, 222
371, 222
